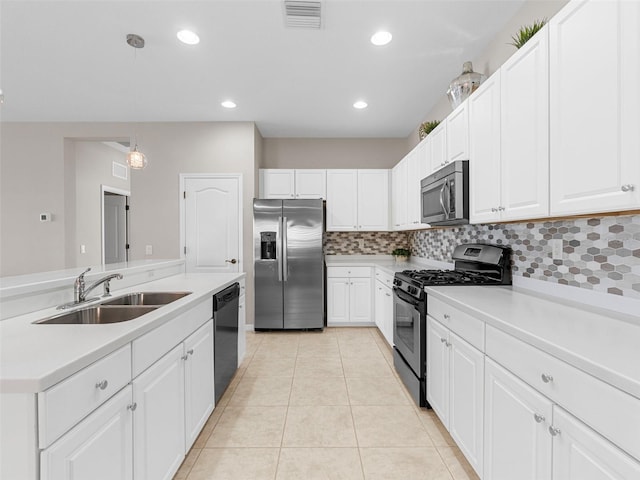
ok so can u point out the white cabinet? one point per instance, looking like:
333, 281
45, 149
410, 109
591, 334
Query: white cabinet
455, 386
349, 293
198, 381
400, 195
457, 136
517, 443
99, 447
159, 423
484, 151
509, 132
579, 453
384, 305
438, 143
595, 107
524, 127
357, 200
285, 184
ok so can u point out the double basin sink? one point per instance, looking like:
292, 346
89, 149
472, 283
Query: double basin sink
117, 309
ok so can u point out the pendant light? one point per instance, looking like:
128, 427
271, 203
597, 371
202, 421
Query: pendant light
135, 158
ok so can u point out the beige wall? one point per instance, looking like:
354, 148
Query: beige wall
93, 169
333, 152
494, 55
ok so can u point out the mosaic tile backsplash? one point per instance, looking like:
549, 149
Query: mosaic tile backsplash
600, 254
364, 243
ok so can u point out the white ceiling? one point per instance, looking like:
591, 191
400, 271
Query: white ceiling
69, 61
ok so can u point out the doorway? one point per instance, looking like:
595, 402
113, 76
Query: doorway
211, 222
115, 225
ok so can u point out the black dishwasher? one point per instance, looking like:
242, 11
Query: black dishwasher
225, 338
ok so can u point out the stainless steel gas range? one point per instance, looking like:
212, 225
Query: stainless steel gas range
475, 264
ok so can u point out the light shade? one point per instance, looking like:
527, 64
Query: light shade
229, 104
136, 160
381, 38
360, 105
188, 37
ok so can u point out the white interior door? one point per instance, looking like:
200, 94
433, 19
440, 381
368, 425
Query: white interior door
212, 223
114, 227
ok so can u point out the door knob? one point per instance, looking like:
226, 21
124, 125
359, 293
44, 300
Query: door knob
232, 261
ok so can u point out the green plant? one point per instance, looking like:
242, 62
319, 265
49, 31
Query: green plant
426, 128
401, 252
526, 32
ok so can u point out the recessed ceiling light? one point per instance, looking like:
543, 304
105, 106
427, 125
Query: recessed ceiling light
381, 38
188, 37
360, 105
228, 104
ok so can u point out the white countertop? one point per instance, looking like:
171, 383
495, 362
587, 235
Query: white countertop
606, 346
34, 357
386, 262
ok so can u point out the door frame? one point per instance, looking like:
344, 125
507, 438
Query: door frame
118, 191
188, 176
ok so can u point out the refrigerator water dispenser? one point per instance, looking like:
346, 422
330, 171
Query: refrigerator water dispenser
267, 245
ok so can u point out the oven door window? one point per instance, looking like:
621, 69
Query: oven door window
406, 328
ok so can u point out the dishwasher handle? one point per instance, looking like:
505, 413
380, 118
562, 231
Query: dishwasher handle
226, 296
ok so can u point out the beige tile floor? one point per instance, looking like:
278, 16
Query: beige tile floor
310, 405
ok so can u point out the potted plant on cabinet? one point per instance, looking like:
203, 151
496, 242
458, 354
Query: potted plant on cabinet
401, 254
426, 128
526, 32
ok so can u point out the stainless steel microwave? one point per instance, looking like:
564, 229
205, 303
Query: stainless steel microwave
445, 195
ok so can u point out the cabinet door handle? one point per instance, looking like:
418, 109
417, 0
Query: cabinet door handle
443, 340
102, 385
627, 188
132, 407
538, 418
546, 378
493, 209
184, 357
388, 294
554, 431
447, 316
190, 351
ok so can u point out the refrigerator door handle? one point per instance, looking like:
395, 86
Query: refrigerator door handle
279, 249
285, 265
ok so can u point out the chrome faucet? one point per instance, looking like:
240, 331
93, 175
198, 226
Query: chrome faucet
80, 291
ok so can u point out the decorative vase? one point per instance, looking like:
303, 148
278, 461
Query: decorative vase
401, 259
464, 85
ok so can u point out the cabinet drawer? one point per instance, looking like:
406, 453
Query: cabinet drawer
350, 272
153, 345
612, 412
384, 277
65, 404
461, 323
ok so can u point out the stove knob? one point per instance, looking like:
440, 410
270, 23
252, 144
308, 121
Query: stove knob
396, 281
412, 290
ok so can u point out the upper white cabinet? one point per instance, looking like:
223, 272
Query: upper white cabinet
509, 137
400, 195
458, 133
438, 143
357, 200
484, 150
292, 184
405, 187
595, 107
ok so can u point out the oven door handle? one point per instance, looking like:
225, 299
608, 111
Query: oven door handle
445, 186
404, 297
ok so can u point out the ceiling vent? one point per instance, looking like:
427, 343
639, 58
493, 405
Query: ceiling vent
302, 14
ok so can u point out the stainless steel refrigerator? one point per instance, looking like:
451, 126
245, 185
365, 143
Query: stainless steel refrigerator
288, 264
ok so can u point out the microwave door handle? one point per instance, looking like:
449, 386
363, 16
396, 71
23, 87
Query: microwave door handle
447, 189
444, 209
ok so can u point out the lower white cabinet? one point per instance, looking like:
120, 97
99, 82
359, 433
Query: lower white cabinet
99, 447
517, 443
158, 394
455, 389
349, 295
198, 381
384, 311
579, 453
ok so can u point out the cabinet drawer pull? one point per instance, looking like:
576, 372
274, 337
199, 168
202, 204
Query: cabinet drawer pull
102, 385
538, 418
184, 357
388, 294
627, 188
554, 431
447, 316
443, 340
132, 407
546, 378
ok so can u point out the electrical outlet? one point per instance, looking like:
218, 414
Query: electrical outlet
361, 243
556, 248
148, 250
83, 249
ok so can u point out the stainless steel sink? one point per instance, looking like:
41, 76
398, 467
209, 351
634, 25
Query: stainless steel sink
95, 315
146, 298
